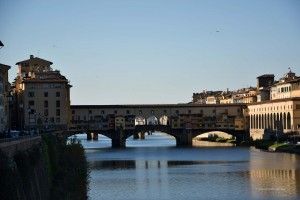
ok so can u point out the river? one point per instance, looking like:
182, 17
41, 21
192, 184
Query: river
155, 168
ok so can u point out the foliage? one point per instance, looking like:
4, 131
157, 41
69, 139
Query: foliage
8, 184
31, 173
215, 138
71, 179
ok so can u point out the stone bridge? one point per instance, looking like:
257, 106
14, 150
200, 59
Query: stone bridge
182, 121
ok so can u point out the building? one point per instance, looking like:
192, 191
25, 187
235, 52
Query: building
4, 100
42, 96
274, 117
286, 87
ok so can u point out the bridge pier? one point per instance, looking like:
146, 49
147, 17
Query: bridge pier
185, 139
88, 136
118, 139
140, 135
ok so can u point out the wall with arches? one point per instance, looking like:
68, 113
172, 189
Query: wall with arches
282, 116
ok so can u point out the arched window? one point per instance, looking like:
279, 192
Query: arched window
284, 121
289, 125
281, 122
164, 120
256, 122
268, 121
152, 120
271, 121
139, 120
263, 121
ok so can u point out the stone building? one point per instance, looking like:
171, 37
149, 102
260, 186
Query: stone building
274, 117
4, 103
42, 96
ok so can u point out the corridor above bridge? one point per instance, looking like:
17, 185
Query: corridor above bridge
195, 116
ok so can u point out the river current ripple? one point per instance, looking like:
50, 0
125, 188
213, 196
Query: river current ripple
155, 168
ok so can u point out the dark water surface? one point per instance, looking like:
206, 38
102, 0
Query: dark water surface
155, 169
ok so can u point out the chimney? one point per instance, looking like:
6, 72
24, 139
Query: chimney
31, 56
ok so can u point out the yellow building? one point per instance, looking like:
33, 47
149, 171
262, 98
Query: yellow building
275, 116
43, 96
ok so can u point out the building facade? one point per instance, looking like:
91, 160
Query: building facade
4, 101
42, 96
274, 117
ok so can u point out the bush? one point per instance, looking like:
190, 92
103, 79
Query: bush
71, 179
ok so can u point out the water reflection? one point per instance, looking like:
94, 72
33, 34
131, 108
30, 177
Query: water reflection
145, 171
275, 182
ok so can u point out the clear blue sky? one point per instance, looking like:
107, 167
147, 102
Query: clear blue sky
153, 51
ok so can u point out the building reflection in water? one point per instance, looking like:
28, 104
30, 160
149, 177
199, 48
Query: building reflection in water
154, 179
275, 177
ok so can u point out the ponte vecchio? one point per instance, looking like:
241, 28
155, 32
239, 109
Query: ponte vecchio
182, 121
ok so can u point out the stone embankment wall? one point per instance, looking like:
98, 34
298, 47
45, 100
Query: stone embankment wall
43, 167
23, 170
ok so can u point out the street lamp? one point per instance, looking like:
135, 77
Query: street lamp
21, 115
29, 112
9, 100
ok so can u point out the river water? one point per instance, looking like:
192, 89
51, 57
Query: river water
155, 168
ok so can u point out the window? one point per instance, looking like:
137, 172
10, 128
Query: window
140, 111
31, 103
297, 106
46, 112
46, 85
57, 112
73, 112
30, 94
57, 85
45, 104
128, 112
45, 94
116, 112
57, 119
57, 104
57, 94
189, 111
30, 85
102, 112
90, 112
177, 111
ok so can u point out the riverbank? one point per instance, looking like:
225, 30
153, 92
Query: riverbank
273, 146
222, 142
268, 145
51, 169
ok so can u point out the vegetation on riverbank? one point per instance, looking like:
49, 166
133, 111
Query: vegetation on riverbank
217, 139
273, 145
67, 168
280, 144
53, 170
